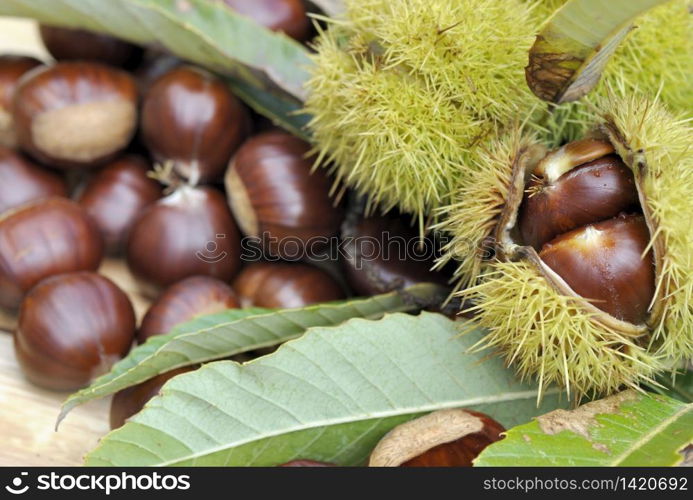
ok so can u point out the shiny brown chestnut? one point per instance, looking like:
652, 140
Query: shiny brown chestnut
66, 44
194, 296
445, 438
75, 114
12, 68
191, 119
72, 328
130, 401
115, 197
565, 192
22, 181
284, 285
287, 16
384, 253
187, 233
42, 239
275, 197
607, 264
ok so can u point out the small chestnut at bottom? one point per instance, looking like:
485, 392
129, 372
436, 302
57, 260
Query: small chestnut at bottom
285, 285
185, 300
445, 438
131, 400
72, 328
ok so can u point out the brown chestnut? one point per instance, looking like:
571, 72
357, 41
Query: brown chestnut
607, 263
12, 68
191, 119
187, 233
75, 114
42, 239
194, 296
115, 197
287, 16
283, 285
275, 197
130, 401
445, 438
72, 328
564, 193
22, 181
76, 44
384, 253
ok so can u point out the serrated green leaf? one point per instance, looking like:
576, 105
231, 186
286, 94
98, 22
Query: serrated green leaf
240, 330
330, 395
628, 429
267, 68
574, 47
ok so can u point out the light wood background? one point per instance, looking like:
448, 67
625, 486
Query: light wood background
27, 413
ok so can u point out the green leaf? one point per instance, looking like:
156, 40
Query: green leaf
628, 429
267, 68
330, 395
572, 50
677, 385
240, 330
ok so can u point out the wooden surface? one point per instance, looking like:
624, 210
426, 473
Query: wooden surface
28, 414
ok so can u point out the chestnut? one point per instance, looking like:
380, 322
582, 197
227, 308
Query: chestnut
445, 438
609, 264
275, 197
564, 193
42, 239
283, 285
75, 114
72, 328
194, 296
12, 68
287, 16
116, 195
191, 119
22, 181
76, 44
384, 253
130, 401
189, 232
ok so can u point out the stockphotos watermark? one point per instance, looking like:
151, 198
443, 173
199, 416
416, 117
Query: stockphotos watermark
101, 483
359, 249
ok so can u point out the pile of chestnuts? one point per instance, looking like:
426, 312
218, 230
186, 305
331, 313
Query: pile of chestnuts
118, 151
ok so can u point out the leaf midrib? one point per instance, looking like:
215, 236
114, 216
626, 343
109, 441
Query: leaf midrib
350, 419
645, 438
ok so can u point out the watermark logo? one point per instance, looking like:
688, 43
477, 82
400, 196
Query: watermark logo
211, 253
16, 487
